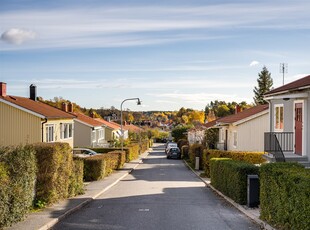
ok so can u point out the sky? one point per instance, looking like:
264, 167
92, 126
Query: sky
168, 53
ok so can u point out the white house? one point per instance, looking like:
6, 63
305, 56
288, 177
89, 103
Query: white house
244, 131
289, 119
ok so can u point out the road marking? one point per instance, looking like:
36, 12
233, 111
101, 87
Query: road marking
144, 210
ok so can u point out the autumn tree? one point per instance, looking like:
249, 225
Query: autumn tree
265, 83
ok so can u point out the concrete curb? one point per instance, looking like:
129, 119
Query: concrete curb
51, 223
238, 206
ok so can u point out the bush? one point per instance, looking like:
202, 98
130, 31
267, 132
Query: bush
285, 191
94, 168
230, 177
76, 186
17, 179
54, 170
196, 150
184, 152
250, 157
182, 142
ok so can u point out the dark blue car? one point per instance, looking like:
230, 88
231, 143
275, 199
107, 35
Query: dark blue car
174, 153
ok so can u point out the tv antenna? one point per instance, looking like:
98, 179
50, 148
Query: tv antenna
283, 69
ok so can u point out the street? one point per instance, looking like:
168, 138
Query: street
159, 194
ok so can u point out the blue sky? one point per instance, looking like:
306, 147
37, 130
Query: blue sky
170, 54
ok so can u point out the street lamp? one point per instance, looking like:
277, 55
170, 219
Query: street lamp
122, 133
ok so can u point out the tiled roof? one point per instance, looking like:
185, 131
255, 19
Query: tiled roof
243, 114
108, 124
133, 128
295, 85
88, 120
37, 107
210, 124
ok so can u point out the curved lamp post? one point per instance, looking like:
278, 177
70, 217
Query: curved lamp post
122, 133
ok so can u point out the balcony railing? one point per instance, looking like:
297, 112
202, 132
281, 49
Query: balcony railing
276, 143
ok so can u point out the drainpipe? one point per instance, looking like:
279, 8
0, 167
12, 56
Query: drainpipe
43, 129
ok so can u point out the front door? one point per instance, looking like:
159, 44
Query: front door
298, 128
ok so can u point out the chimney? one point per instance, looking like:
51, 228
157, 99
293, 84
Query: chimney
2, 89
64, 107
237, 109
33, 92
91, 115
70, 107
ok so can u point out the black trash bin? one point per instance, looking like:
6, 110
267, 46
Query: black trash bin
253, 191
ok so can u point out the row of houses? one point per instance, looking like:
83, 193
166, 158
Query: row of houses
27, 120
280, 127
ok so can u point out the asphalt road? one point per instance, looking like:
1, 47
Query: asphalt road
159, 194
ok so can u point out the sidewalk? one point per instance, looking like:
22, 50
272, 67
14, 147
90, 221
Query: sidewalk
48, 217
252, 213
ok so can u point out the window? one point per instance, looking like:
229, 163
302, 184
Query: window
101, 134
235, 138
49, 132
278, 118
66, 130
93, 136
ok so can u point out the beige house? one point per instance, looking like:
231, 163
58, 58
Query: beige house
88, 132
26, 120
244, 131
112, 131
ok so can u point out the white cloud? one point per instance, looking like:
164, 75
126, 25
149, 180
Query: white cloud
254, 63
17, 36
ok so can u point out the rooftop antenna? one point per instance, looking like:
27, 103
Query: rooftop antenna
283, 69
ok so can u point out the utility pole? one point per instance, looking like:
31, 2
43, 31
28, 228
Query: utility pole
283, 69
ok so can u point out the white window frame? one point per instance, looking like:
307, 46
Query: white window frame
100, 134
50, 129
278, 106
66, 131
235, 139
93, 136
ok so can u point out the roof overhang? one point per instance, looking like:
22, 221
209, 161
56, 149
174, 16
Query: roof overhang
89, 125
287, 95
22, 108
251, 117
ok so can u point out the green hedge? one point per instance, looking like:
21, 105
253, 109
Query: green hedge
54, 170
249, 157
285, 195
76, 186
230, 177
196, 150
101, 165
184, 152
17, 180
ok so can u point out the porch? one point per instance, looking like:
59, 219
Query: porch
279, 147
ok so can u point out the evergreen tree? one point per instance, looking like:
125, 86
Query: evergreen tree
265, 83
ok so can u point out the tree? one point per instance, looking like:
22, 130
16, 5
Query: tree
265, 83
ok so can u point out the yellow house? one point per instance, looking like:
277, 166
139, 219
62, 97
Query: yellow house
26, 120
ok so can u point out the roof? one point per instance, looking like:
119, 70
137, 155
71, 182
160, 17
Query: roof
132, 128
88, 120
293, 86
37, 107
108, 124
210, 124
247, 113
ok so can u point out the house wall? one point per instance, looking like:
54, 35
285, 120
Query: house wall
18, 127
288, 118
82, 135
57, 130
251, 134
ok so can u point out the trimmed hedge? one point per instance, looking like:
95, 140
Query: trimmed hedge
184, 152
249, 157
76, 186
98, 166
230, 177
17, 179
196, 150
285, 195
54, 170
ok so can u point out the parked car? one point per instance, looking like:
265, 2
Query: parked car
83, 152
174, 153
171, 145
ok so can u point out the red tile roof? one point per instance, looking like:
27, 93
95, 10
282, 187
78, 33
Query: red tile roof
88, 120
210, 124
243, 114
133, 128
108, 124
38, 107
295, 85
